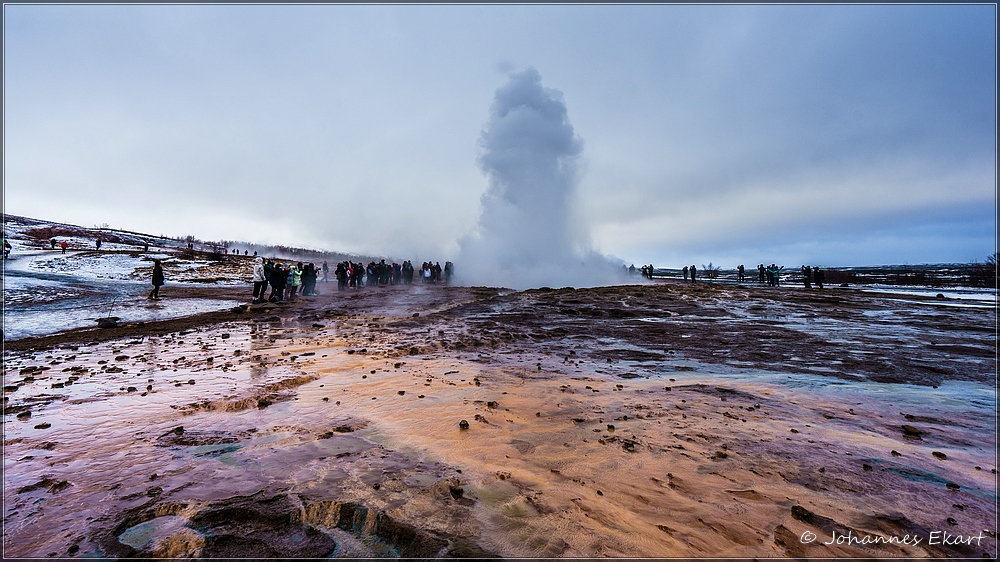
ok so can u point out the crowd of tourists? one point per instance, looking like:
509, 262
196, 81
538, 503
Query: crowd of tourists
286, 279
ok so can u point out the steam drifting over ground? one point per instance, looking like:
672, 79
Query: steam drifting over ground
526, 235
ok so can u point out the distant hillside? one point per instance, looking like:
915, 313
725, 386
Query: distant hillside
38, 233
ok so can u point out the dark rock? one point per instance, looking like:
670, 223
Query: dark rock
401, 392
952, 521
939, 455
24, 415
110, 322
492, 405
895, 453
43, 425
953, 486
463, 548
866, 467
131, 389
73, 549
911, 431
121, 357
461, 425
456, 491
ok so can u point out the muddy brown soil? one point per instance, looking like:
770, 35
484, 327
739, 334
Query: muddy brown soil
651, 420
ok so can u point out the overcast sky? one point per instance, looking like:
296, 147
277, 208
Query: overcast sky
823, 134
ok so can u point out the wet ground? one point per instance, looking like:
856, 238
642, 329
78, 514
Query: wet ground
48, 291
649, 420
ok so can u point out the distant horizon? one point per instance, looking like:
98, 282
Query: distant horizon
750, 267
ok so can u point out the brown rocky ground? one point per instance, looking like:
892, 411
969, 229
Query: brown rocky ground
652, 420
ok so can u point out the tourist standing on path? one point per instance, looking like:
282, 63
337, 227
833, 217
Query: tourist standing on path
259, 281
326, 271
693, 273
6, 248
805, 276
158, 280
98, 244
64, 245
818, 276
685, 271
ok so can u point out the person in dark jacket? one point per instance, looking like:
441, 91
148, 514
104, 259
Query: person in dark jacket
158, 280
278, 276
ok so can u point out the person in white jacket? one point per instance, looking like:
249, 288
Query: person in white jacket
259, 281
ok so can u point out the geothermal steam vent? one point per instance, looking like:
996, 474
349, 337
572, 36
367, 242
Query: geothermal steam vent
526, 236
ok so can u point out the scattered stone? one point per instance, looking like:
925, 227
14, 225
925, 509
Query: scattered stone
131, 389
397, 365
376, 485
492, 405
866, 467
456, 491
952, 521
401, 392
121, 357
24, 415
611, 427
895, 453
911, 431
420, 396
953, 486
110, 322
939, 455
73, 549
43, 425
326, 399
720, 454
154, 491
191, 381
461, 425
600, 493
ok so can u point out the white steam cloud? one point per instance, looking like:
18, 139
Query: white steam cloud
526, 235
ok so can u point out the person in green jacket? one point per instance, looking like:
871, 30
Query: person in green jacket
294, 279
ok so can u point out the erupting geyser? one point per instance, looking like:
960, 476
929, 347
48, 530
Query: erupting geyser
526, 236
